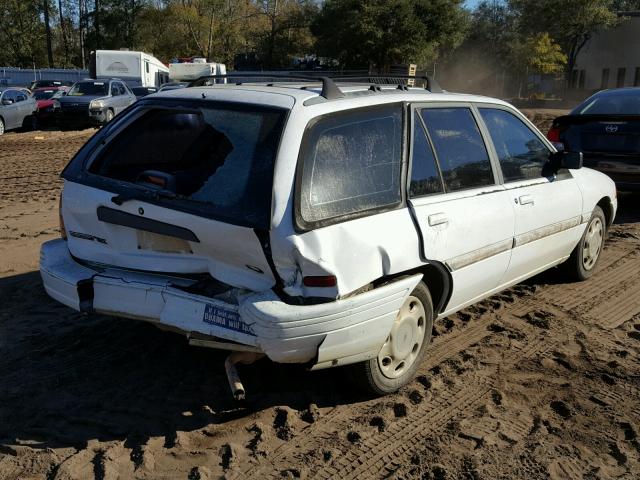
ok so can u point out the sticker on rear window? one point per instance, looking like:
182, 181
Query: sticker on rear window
226, 319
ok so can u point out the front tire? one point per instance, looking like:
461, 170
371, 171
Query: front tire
108, 116
404, 349
1, 126
584, 258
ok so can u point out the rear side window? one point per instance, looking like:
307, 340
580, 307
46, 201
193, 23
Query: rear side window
461, 152
425, 178
521, 153
212, 159
351, 163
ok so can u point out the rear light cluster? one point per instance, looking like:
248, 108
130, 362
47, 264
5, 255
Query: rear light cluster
554, 135
323, 281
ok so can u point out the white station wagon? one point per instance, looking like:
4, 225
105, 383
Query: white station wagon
326, 225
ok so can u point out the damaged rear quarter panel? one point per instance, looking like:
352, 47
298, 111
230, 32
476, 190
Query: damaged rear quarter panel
356, 251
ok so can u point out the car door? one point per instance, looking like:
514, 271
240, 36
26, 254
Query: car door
128, 96
25, 108
10, 111
115, 101
547, 207
463, 213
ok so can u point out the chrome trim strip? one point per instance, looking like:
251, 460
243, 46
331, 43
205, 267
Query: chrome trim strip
466, 259
469, 258
546, 231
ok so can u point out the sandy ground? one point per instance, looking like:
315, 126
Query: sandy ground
541, 381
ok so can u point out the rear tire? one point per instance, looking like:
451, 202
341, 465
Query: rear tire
404, 350
584, 258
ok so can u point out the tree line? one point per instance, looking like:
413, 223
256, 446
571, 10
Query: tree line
515, 36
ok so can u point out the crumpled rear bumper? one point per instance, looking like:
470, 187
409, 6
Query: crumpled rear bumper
329, 334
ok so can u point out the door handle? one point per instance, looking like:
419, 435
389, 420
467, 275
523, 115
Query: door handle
526, 200
437, 219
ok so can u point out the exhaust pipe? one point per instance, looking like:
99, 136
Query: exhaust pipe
246, 358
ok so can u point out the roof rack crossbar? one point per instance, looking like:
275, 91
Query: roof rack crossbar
431, 84
330, 90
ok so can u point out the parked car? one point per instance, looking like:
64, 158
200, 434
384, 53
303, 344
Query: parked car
326, 226
140, 92
45, 98
17, 109
93, 102
606, 128
49, 83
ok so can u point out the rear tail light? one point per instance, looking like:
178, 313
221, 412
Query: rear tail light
63, 231
554, 135
324, 281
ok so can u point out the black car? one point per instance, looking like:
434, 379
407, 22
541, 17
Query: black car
606, 128
49, 83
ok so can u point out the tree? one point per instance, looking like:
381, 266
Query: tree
377, 34
544, 55
22, 34
569, 22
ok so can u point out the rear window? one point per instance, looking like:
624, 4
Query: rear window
213, 159
611, 103
89, 88
351, 164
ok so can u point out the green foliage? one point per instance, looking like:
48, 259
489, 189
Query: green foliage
569, 22
371, 33
22, 33
543, 55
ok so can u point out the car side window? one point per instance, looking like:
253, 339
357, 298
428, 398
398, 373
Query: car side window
115, 91
425, 177
9, 95
351, 163
521, 153
460, 149
122, 89
21, 97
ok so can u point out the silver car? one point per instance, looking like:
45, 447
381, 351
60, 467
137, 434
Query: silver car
17, 109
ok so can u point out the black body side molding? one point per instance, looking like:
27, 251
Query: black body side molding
116, 217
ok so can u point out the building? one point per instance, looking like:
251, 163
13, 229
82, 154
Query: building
611, 58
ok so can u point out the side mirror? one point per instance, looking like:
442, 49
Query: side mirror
7, 101
571, 160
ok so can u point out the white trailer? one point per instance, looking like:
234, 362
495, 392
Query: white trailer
135, 68
185, 72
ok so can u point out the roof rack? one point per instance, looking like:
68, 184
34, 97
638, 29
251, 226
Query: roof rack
330, 90
430, 82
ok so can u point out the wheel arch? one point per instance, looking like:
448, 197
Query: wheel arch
607, 207
438, 280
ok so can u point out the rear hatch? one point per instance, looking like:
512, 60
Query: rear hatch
178, 187
601, 134
610, 143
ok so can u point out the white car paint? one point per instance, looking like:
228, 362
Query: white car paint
484, 239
